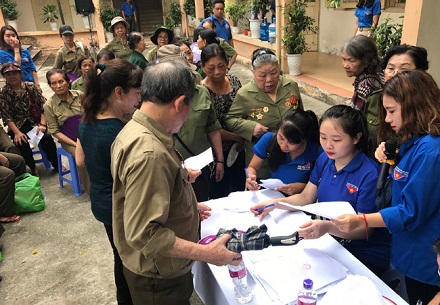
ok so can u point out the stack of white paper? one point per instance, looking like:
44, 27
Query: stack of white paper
242, 201
281, 271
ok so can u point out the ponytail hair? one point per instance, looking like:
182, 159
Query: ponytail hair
297, 126
99, 87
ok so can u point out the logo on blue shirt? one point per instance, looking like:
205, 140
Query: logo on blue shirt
352, 188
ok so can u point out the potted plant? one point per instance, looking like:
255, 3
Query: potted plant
294, 40
236, 12
50, 14
258, 7
174, 19
190, 9
106, 14
387, 35
10, 12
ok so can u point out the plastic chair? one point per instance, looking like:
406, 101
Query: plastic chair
43, 158
391, 275
74, 181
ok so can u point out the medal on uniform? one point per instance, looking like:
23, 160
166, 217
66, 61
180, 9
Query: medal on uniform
259, 116
266, 109
293, 101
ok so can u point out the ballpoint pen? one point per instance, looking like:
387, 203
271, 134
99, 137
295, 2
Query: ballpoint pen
248, 174
265, 207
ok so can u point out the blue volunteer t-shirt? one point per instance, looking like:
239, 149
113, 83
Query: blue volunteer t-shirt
414, 218
365, 14
128, 9
27, 64
223, 29
291, 171
355, 183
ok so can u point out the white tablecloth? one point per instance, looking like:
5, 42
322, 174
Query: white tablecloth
215, 287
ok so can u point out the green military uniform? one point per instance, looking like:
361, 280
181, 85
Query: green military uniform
67, 59
78, 84
225, 46
138, 59
58, 111
152, 55
153, 201
371, 112
201, 121
252, 106
120, 49
197, 77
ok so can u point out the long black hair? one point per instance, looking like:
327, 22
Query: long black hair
98, 87
297, 125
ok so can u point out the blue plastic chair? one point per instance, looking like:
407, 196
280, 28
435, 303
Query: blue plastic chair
43, 157
74, 176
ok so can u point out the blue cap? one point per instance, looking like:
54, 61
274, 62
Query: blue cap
308, 284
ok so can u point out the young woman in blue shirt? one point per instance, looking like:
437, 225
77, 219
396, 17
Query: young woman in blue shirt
343, 173
291, 152
410, 111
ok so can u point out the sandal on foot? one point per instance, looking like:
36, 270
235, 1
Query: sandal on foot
9, 219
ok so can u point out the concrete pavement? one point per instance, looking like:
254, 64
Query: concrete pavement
73, 263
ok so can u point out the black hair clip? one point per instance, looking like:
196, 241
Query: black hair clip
261, 52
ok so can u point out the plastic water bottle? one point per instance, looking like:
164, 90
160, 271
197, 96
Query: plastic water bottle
264, 30
307, 296
272, 32
241, 289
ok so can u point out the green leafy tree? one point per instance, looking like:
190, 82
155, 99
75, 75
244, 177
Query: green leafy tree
387, 35
298, 24
9, 9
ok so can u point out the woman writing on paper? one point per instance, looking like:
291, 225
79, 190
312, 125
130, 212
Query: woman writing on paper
410, 111
291, 152
342, 173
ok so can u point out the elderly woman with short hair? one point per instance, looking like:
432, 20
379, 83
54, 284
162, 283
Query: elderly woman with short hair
360, 59
137, 43
260, 104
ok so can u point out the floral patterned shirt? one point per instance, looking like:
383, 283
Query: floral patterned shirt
222, 103
15, 108
364, 85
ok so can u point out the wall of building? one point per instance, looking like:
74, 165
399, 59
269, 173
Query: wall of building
427, 35
337, 26
31, 13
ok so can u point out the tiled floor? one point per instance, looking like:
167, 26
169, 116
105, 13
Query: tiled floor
325, 72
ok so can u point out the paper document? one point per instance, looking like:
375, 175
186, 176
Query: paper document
242, 201
271, 183
200, 161
330, 209
33, 136
282, 270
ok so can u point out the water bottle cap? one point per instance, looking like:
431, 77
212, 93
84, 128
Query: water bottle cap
308, 284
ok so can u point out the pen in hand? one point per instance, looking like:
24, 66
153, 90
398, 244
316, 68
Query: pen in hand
265, 207
248, 174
